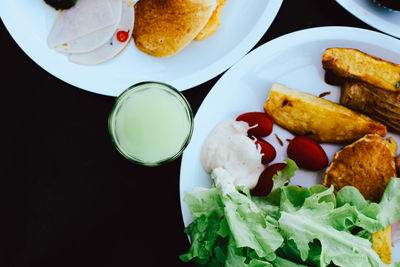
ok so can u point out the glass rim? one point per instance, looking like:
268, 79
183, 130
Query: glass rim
130, 90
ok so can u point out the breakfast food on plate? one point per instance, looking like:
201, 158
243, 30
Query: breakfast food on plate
164, 27
120, 39
379, 104
318, 118
93, 31
252, 217
61, 4
213, 23
355, 64
367, 164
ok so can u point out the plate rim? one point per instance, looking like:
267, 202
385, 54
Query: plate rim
182, 83
315, 33
371, 21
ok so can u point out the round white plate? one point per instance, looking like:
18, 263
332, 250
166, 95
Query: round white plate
377, 16
293, 60
30, 21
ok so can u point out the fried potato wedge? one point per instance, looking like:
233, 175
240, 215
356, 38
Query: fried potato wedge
382, 244
355, 64
318, 118
392, 145
379, 104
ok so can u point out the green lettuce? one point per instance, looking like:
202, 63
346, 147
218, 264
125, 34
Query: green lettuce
293, 226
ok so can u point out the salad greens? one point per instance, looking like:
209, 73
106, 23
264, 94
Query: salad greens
292, 226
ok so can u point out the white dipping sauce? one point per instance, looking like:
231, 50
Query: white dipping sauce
229, 147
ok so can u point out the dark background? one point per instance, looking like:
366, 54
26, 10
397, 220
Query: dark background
67, 197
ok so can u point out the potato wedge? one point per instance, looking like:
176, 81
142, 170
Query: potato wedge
320, 119
355, 64
382, 244
379, 104
392, 145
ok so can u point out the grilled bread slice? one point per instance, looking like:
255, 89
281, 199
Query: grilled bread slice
318, 118
355, 64
164, 27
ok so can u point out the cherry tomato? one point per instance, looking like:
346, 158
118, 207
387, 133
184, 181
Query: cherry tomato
265, 182
307, 153
264, 123
268, 151
122, 36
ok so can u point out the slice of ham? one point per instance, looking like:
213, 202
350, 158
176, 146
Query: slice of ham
85, 17
113, 47
396, 232
95, 39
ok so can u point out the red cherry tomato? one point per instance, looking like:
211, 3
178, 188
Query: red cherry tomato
307, 153
122, 36
264, 123
265, 182
268, 151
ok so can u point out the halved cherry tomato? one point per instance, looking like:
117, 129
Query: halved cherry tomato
268, 151
307, 153
122, 36
264, 123
265, 182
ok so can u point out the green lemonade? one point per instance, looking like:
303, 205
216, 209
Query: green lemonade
151, 124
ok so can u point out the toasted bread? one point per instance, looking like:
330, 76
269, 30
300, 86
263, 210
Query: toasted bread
213, 23
355, 64
318, 118
164, 27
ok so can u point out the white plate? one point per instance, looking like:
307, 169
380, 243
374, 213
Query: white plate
293, 60
377, 16
29, 22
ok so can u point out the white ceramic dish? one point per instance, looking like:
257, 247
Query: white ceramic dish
377, 16
293, 60
29, 22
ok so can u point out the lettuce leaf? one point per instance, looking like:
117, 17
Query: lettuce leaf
247, 222
390, 203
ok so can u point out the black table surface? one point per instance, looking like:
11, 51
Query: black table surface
68, 197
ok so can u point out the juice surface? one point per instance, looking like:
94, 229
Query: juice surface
151, 125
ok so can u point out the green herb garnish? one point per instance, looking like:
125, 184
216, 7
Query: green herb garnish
397, 84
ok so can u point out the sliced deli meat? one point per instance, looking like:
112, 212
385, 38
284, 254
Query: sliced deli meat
97, 38
115, 45
85, 17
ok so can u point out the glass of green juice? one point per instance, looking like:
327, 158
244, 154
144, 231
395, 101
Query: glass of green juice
151, 123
